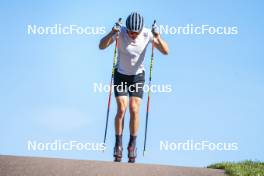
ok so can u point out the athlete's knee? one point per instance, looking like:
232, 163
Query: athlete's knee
121, 110
134, 107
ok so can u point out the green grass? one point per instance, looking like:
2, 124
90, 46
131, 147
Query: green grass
244, 168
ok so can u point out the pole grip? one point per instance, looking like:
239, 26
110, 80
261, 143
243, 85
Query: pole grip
154, 23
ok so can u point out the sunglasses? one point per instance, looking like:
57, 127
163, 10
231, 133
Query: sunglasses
132, 33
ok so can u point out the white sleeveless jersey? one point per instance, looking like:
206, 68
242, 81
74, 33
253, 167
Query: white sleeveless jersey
131, 53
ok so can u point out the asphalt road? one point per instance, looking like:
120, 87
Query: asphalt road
36, 166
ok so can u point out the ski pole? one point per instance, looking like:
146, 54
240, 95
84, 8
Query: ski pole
148, 102
111, 82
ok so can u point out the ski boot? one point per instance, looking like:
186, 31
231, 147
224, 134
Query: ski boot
118, 153
132, 154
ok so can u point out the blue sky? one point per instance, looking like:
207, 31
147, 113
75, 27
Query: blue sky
218, 80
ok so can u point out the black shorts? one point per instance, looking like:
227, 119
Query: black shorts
131, 85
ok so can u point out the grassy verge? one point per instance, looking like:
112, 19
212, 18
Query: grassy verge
244, 168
